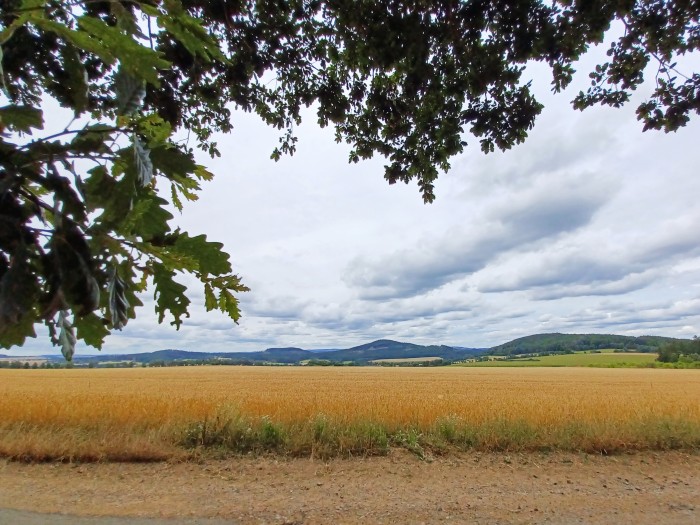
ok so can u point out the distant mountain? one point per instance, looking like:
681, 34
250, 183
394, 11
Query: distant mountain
572, 342
276, 355
382, 349
146, 357
387, 349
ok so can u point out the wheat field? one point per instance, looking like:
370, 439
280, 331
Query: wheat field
158, 413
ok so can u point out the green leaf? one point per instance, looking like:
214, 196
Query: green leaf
202, 173
122, 185
21, 118
93, 139
169, 295
141, 61
175, 198
190, 33
210, 255
33, 7
148, 218
179, 166
125, 18
229, 305
28, 10
91, 329
210, 301
77, 85
169, 259
63, 191
70, 255
16, 334
171, 161
79, 39
97, 188
18, 292
154, 129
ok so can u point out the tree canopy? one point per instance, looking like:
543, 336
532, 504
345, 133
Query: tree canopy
85, 224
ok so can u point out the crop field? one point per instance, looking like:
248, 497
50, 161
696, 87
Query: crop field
160, 413
408, 360
602, 359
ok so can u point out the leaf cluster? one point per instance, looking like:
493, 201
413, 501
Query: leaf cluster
83, 225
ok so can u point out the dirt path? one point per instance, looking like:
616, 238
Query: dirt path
471, 488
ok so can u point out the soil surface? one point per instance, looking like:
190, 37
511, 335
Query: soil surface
653, 488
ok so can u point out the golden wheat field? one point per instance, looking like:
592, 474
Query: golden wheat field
156, 413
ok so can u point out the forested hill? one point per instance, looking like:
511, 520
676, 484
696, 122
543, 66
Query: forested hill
382, 349
572, 342
387, 349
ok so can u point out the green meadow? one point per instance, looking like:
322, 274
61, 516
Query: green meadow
603, 359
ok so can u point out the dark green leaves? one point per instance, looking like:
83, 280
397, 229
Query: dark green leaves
115, 44
72, 260
83, 227
210, 256
21, 118
170, 295
18, 293
147, 219
189, 32
77, 86
92, 329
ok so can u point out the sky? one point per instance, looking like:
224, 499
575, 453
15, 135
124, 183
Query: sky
590, 226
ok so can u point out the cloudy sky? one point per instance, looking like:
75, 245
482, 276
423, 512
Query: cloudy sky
590, 226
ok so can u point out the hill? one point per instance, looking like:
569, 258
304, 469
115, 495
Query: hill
388, 349
275, 355
382, 349
557, 342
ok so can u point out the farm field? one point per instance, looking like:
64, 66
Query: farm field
602, 359
161, 413
408, 360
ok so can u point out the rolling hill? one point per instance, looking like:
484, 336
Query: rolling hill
381, 349
556, 342
388, 349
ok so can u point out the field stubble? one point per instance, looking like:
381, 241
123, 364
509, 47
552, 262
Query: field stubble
161, 413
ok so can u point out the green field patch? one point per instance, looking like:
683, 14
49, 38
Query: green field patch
603, 358
408, 360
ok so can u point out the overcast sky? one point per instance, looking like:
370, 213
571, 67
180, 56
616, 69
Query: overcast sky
590, 226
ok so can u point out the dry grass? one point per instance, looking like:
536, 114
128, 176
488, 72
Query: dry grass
149, 414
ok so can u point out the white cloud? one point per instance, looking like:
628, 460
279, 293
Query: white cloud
590, 226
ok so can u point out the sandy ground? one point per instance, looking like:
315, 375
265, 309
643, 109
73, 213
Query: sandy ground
653, 488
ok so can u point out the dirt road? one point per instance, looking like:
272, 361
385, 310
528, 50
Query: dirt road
653, 488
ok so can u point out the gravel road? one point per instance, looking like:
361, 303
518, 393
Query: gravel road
638, 489
20, 517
